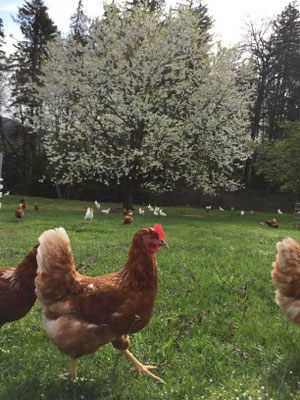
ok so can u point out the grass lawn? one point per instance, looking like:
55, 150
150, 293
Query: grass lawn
216, 332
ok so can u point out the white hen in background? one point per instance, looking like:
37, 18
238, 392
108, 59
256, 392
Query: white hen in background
89, 214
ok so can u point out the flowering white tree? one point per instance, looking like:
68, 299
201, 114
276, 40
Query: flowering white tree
146, 102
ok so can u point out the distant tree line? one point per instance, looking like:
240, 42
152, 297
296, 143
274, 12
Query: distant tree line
143, 100
274, 50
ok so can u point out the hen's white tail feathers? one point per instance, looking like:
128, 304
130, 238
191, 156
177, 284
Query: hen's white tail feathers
55, 248
286, 276
55, 266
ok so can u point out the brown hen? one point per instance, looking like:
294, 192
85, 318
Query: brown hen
286, 276
83, 313
128, 219
272, 223
17, 291
19, 213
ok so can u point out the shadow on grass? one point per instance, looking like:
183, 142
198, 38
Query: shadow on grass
32, 387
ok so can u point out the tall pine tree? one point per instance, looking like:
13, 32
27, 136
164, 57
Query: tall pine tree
37, 29
274, 50
2, 77
283, 98
79, 24
2, 53
150, 5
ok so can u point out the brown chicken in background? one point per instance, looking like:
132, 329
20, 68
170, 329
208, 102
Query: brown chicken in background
272, 223
82, 313
128, 219
19, 213
36, 207
17, 290
286, 276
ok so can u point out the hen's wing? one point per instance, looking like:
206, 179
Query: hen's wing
62, 290
6, 295
17, 288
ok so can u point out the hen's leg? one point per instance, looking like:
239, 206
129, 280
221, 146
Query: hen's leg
72, 371
140, 368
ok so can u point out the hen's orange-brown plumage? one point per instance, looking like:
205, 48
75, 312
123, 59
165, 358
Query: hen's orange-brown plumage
128, 219
19, 213
125, 211
83, 313
286, 276
272, 223
17, 293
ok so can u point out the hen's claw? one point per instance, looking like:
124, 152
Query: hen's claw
144, 370
69, 376
4, 351
140, 368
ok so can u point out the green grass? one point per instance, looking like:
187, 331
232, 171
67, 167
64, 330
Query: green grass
216, 332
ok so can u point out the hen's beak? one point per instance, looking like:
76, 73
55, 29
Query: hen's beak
163, 243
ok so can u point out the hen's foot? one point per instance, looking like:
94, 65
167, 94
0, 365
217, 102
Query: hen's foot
75, 379
144, 370
140, 368
4, 351
69, 376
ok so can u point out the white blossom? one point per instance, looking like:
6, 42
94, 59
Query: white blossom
144, 101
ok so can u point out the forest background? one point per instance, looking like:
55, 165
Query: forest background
142, 105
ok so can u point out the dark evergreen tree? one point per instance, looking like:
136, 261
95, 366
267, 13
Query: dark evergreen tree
24, 64
201, 10
283, 97
151, 5
37, 28
79, 25
2, 66
256, 44
2, 53
274, 50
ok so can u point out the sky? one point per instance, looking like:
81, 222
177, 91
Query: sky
229, 16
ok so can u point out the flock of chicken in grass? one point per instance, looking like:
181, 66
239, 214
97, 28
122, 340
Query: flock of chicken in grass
22, 206
128, 213
82, 313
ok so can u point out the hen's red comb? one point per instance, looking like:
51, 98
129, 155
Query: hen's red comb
159, 230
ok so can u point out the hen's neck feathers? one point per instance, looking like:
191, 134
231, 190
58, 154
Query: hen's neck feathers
26, 271
140, 269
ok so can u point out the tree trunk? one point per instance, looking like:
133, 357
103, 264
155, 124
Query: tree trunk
128, 193
58, 191
127, 201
